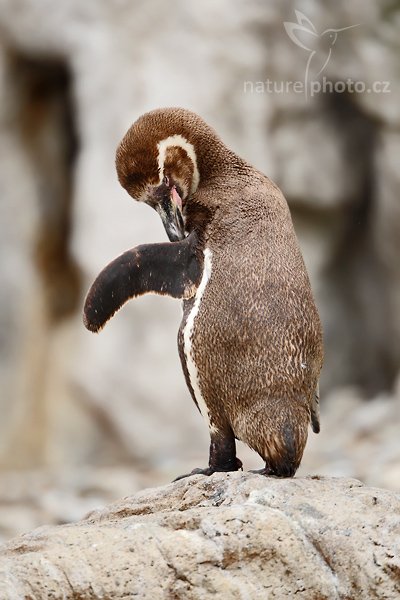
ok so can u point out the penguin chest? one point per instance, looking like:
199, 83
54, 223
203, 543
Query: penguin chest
187, 332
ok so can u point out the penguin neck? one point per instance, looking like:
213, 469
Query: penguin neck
235, 202
217, 204
220, 183
219, 165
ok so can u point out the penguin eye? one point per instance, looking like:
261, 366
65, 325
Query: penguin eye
134, 179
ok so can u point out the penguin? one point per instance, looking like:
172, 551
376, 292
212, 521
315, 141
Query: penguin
250, 340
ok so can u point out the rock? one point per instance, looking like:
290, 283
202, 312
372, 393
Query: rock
228, 536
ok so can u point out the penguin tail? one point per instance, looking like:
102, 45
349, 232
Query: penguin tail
281, 436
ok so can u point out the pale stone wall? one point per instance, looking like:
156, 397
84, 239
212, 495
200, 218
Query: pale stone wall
69, 396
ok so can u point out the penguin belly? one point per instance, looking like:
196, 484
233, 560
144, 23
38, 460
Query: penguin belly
238, 371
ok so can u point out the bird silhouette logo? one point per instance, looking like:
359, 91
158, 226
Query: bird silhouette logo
319, 45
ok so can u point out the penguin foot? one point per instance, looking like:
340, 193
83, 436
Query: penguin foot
265, 471
210, 470
269, 472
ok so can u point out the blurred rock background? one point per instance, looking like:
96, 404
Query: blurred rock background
86, 419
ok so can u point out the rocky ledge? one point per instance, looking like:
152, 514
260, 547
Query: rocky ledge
236, 535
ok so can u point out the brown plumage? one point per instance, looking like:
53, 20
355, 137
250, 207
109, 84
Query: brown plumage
250, 340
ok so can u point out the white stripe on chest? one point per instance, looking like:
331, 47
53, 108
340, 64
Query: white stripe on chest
187, 340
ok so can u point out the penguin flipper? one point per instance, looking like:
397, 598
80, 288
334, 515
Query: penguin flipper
170, 269
315, 417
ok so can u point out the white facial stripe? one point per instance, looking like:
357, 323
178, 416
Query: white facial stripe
187, 341
178, 140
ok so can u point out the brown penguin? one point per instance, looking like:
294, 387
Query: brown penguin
250, 340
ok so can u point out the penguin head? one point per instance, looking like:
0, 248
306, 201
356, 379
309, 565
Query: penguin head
162, 160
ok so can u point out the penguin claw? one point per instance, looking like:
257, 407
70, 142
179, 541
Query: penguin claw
209, 471
268, 472
265, 471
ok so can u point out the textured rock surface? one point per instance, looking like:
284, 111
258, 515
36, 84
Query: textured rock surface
228, 536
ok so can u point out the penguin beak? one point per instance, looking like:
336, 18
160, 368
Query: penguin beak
170, 211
